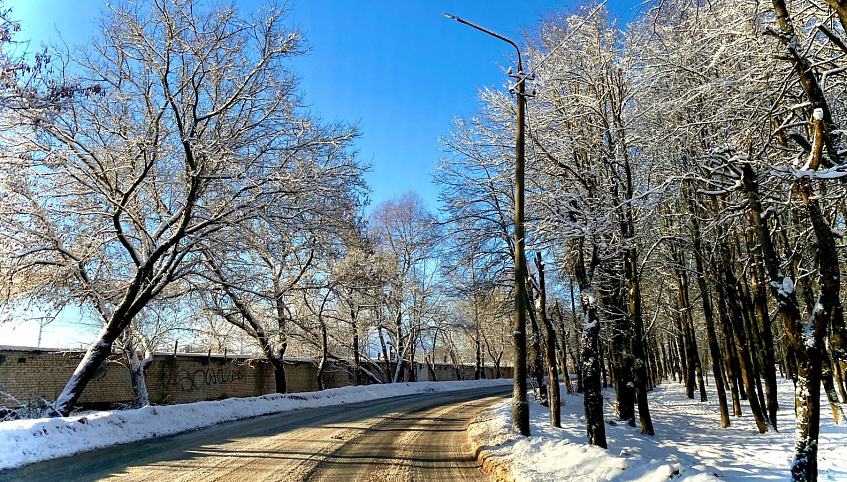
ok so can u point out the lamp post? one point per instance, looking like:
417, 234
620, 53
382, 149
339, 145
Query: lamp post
520, 408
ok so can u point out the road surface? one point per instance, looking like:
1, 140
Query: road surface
410, 438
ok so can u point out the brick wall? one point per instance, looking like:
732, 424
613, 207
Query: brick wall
27, 374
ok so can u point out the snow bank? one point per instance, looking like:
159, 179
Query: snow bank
689, 444
28, 441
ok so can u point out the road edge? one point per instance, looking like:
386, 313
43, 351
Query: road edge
31, 441
497, 466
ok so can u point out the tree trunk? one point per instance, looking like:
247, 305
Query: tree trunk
728, 361
759, 292
457, 367
740, 339
386, 360
693, 369
752, 335
807, 408
279, 374
357, 363
536, 356
672, 364
412, 347
575, 359
687, 371
554, 395
593, 395
400, 346
640, 369
496, 357
622, 353
563, 349
429, 364
665, 363
829, 389
478, 371
839, 380
322, 364
91, 361
138, 369
708, 314
806, 339
139, 388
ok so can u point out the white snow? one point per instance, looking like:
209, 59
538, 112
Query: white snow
689, 443
28, 441
787, 285
836, 172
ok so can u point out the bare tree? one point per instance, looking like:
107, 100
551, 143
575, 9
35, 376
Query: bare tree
358, 279
406, 235
764, 153
249, 286
194, 125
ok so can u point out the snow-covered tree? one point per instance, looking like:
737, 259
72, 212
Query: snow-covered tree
406, 236
191, 125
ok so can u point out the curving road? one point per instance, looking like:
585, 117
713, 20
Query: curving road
410, 438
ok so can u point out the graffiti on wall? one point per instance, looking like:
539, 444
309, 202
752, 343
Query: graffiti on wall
204, 377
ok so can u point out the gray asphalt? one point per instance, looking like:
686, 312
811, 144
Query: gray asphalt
410, 438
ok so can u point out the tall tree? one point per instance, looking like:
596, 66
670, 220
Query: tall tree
192, 124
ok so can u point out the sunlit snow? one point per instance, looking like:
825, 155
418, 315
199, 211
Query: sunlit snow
689, 444
28, 441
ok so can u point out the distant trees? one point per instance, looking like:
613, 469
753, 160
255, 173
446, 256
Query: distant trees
358, 281
406, 235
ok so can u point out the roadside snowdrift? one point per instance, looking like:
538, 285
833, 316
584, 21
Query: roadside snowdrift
28, 441
689, 444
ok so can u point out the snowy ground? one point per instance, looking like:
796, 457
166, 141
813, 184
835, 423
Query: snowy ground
28, 441
689, 443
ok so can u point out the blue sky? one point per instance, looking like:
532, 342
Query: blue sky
398, 69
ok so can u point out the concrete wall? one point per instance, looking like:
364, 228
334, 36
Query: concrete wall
28, 374
446, 371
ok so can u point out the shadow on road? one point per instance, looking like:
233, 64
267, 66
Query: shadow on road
188, 451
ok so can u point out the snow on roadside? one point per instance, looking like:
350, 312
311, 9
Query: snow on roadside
689, 444
28, 441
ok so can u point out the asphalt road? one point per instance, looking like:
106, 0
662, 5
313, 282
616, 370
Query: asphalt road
410, 438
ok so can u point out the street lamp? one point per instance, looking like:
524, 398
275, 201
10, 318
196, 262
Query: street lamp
520, 408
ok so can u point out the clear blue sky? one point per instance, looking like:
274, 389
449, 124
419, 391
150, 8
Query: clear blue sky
398, 69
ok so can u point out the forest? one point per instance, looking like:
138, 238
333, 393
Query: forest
685, 208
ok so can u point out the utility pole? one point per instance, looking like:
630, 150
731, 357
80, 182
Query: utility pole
520, 407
